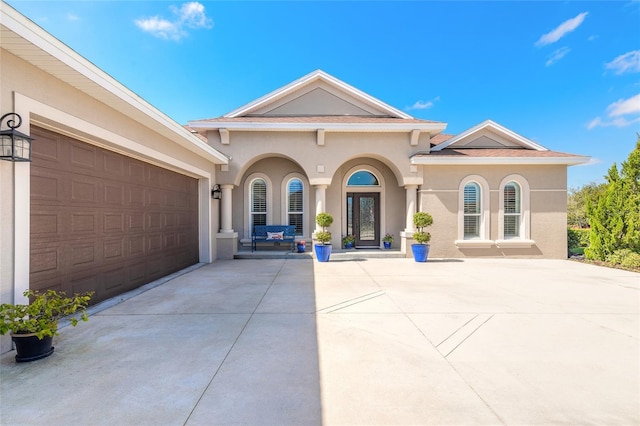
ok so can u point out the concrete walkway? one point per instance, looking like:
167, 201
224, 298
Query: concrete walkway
368, 342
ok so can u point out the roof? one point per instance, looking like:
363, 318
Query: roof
344, 123
493, 127
307, 80
494, 156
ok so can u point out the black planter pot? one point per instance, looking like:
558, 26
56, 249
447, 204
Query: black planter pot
30, 348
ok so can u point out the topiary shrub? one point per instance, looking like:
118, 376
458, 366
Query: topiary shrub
324, 220
421, 220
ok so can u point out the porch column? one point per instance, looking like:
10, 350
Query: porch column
226, 211
321, 191
412, 197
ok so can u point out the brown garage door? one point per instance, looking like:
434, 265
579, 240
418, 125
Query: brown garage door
105, 222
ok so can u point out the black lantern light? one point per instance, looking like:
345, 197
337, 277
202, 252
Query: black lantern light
14, 145
216, 192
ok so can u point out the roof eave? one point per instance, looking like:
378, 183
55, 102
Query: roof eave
491, 161
431, 128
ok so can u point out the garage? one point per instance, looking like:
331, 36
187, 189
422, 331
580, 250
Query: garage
104, 222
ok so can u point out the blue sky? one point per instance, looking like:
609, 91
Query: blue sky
564, 74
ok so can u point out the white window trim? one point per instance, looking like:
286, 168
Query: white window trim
524, 239
247, 200
305, 198
484, 240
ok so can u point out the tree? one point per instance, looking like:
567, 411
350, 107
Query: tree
615, 214
577, 201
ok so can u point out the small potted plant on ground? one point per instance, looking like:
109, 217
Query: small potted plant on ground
301, 246
420, 250
33, 326
387, 240
348, 241
323, 250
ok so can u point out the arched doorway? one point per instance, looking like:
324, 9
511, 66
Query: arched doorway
363, 188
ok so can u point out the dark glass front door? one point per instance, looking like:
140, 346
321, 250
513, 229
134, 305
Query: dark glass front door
363, 218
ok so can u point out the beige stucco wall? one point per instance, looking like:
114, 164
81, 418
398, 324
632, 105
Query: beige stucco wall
548, 196
48, 102
320, 162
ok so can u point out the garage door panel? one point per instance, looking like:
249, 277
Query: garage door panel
46, 260
104, 222
46, 187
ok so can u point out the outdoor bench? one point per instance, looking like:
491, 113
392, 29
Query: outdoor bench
273, 234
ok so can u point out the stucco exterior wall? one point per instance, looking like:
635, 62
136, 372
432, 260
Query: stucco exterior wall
548, 197
320, 162
41, 99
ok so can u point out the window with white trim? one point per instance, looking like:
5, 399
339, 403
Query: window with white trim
258, 203
514, 217
474, 217
512, 210
295, 205
472, 210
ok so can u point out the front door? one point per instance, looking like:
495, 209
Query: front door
363, 218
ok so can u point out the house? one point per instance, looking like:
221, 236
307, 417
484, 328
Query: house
319, 144
118, 194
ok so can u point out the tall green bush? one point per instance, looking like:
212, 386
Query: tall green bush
615, 214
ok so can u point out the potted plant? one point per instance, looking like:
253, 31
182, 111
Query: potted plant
348, 241
420, 250
301, 246
323, 250
387, 240
33, 326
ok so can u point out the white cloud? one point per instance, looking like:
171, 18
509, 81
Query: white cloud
562, 29
557, 55
617, 113
629, 62
190, 15
625, 106
72, 17
422, 104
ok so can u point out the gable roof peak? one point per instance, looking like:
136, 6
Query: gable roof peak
495, 127
317, 75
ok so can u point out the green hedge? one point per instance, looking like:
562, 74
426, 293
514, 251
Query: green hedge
625, 257
577, 237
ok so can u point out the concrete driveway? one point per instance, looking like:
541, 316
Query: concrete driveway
369, 342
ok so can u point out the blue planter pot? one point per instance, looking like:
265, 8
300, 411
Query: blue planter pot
387, 244
348, 245
300, 248
420, 252
323, 252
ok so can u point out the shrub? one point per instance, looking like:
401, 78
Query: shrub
631, 260
577, 238
573, 239
422, 220
324, 220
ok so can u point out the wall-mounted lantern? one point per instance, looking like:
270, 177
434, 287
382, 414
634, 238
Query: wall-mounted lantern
216, 192
14, 145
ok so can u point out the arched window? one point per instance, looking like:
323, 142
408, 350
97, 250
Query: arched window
473, 213
363, 178
512, 205
514, 217
258, 203
295, 205
472, 210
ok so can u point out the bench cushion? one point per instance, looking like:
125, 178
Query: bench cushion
275, 235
